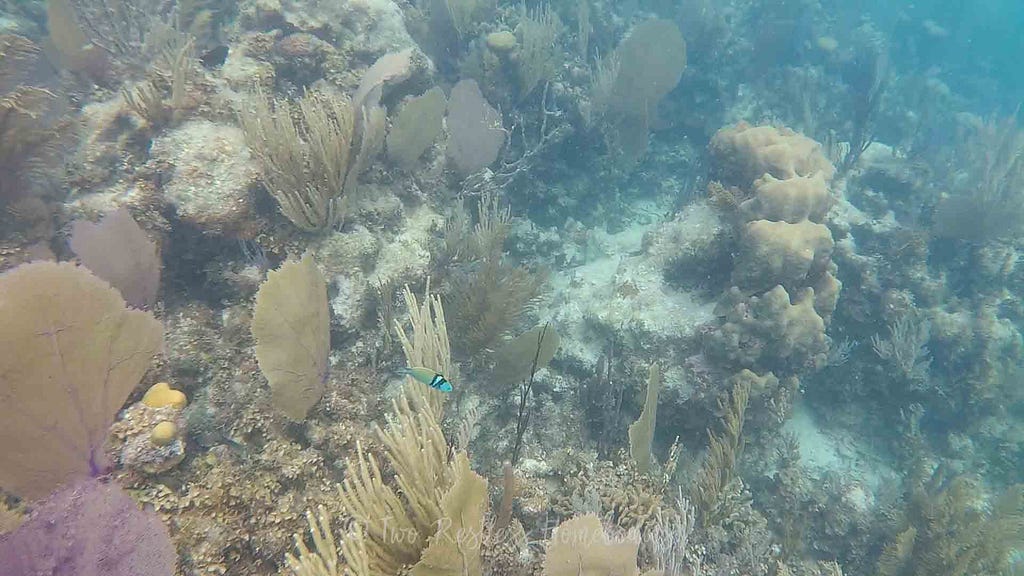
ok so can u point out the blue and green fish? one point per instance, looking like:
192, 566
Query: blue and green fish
431, 378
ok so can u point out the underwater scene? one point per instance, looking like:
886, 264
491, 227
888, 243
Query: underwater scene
511, 288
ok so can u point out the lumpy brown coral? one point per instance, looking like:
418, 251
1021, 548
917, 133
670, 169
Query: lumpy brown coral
780, 253
746, 153
790, 200
770, 331
784, 286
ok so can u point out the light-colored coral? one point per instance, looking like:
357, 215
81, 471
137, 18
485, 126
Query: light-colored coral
357, 261
362, 26
161, 394
620, 281
349, 251
826, 294
757, 385
405, 258
791, 200
781, 253
784, 249
242, 71
693, 232
750, 152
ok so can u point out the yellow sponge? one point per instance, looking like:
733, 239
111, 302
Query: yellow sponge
160, 395
163, 433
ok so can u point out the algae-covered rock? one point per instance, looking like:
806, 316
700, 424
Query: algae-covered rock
211, 171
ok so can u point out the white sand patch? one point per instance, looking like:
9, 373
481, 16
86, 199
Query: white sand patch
824, 451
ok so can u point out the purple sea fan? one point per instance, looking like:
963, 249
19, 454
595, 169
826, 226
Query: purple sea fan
117, 250
475, 134
91, 528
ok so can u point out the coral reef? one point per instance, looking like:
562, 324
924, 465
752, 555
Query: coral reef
677, 343
784, 287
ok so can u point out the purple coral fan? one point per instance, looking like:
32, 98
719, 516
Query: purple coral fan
118, 251
92, 528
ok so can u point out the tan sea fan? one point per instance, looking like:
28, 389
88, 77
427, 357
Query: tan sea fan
291, 325
72, 353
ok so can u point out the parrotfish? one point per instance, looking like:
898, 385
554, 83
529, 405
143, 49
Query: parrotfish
431, 378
